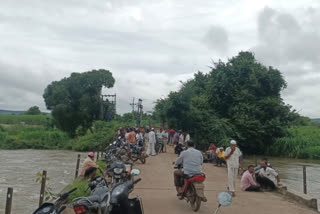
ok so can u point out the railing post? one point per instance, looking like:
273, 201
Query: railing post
77, 167
9, 201
43, 187
304, 180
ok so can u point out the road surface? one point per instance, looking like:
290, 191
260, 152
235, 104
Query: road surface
159, 195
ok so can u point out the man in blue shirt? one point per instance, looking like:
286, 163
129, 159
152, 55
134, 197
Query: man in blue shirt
191, 161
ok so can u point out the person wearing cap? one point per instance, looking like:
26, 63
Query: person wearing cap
152, 142
220, 157
232, 155
89, 167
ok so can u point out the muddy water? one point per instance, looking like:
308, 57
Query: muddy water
19, 168
290, 172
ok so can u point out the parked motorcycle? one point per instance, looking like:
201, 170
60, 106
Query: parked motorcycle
56, 207
115, 201
193, 190
158, 146
137, 153
119, 171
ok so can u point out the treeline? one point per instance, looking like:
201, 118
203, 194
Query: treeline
239, 99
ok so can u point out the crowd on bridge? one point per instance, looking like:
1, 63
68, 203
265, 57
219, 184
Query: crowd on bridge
255, 178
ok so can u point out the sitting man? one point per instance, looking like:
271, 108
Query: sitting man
220, 157
268, 178
191, 161
247, 182
89, 167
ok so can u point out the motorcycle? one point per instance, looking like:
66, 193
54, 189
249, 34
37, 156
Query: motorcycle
179, 148
137, 152
193, 189
116, 201
158, 146
119, 171
54, 208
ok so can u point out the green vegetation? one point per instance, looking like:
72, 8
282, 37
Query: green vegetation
239, 99
34, 110
82, 185
32, 137
300, 142
43, 120
76, 101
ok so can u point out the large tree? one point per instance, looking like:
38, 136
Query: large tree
76, 101
238, 99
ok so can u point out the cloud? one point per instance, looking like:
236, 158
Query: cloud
291, 44
150, 45
216, 38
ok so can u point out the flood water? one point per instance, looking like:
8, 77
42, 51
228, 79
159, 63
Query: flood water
19, 168
291, 173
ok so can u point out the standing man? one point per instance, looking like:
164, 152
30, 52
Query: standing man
187, 138
152, 142
176, 138
164, 134
232, 155
181, 138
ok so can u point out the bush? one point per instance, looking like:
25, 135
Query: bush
103, 133
28, 119
34, 137
300, 142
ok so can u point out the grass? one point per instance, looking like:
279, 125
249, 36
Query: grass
27, 119
82, 185
301, 142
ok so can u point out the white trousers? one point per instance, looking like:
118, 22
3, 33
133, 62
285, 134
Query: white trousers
151, 149
232, 176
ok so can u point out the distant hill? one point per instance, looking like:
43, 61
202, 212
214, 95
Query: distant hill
10, 112
316, 120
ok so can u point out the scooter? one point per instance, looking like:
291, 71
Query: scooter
54, 208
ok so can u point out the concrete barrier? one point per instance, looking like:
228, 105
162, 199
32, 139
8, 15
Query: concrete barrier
301, 198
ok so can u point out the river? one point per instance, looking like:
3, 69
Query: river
19, 168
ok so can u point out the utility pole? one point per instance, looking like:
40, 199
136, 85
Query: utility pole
133, 104
111, 98
140, 111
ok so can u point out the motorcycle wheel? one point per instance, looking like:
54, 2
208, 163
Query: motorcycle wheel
134, 158
143, 160
195, 201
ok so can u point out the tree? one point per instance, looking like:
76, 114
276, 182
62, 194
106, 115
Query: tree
239, 99
34, 110
76, 101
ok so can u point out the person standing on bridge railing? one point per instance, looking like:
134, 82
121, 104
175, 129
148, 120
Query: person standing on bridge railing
232, 155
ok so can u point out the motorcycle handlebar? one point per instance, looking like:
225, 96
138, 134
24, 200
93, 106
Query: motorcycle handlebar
65, 195
137, 181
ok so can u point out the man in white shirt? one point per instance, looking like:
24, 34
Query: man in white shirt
232, 155
152, 142
268, 178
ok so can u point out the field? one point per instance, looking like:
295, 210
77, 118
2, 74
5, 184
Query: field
41, 119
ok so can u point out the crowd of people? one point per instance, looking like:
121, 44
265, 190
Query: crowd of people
255, 178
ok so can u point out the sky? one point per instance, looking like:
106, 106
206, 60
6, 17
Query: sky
150, 46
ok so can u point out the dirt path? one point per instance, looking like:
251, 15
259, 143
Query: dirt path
159, 195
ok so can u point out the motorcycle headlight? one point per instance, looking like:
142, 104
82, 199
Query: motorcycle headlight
118, 170
118, 190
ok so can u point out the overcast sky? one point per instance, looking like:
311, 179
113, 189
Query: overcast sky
150, 45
